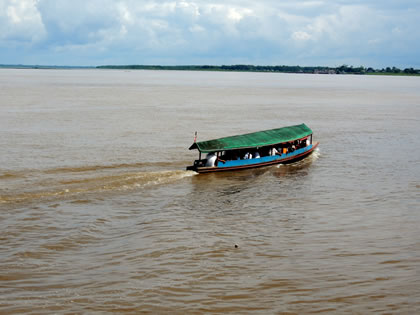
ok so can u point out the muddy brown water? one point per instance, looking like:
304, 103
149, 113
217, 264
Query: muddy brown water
99, 215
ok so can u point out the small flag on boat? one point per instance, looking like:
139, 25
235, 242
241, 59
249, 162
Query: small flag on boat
195, 137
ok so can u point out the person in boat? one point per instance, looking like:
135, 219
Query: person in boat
257, 155
248, 156
301, 144
211, 159
273, 151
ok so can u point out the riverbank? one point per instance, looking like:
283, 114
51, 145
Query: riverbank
278, 69
241, 68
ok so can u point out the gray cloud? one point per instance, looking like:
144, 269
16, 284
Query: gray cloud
377, 33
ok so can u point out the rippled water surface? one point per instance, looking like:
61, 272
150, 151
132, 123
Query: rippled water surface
97, 212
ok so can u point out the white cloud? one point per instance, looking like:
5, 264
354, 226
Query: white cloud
20, 21
11, 13
196, 28
236, 14
125, 14
301, 36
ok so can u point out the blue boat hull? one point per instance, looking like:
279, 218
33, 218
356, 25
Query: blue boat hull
259, 162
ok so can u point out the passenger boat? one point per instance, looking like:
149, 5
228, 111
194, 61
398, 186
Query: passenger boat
257, 149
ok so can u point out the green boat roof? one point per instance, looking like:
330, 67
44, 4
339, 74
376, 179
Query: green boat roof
255, 139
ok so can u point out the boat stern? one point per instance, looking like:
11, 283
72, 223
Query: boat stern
192, 168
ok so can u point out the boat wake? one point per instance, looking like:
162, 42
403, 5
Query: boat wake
316, 154
65, 183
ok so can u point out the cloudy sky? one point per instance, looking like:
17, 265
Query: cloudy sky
375, 33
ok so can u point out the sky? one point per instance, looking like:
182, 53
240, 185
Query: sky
370, 33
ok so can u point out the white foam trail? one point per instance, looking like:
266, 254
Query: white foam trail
127, 181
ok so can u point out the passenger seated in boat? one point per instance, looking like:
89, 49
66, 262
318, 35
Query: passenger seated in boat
257, 155
273, 151
211, 159
246, 157
301, 144
225, 156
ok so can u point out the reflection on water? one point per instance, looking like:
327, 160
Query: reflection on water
98, 214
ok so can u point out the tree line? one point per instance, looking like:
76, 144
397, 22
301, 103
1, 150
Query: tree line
344, 69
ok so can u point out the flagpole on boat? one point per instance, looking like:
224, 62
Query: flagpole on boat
195, 141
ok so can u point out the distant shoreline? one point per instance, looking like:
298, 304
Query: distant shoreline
344, 69
274, 69
43, 67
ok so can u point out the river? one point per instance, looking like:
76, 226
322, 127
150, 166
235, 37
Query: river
99, 215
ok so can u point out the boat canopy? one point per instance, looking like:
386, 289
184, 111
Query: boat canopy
255, 139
